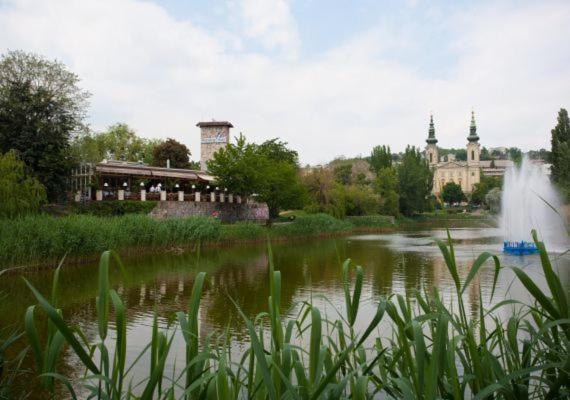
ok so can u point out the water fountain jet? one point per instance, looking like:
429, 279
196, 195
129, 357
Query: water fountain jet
529, 202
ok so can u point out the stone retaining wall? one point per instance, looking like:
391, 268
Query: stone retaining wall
227, 212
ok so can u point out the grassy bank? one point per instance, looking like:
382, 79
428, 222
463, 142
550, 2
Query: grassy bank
44, 239
434, 351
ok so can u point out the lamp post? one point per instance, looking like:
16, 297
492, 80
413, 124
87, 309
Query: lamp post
143, 191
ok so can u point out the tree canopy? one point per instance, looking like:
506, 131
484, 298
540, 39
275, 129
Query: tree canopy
20, 192
118, 142
268, 170
415, 182
452, 193
386, 186
172, 150
41, 107
486, 184
560, 151
380, 157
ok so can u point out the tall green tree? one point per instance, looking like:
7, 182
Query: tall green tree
41, 107
560, 151
246, 169
276, 150
20, 192
386, 185
415, 182
172, 150
452, 193
380, 158
118, 142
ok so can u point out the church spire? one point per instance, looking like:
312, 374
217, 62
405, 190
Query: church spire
473, 137
431, 135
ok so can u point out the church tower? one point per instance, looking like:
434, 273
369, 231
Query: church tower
473, 146
473, 153
431, 148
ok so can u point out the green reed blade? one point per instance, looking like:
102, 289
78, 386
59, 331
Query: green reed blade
56, 318
538, 294
64, 380
33, 337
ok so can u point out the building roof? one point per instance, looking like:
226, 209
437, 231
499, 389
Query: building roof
498, 163
214, 123
139, 169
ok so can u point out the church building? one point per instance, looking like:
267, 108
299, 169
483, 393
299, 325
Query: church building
465, 173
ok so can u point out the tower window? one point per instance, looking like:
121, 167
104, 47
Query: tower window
472, 154
430, 157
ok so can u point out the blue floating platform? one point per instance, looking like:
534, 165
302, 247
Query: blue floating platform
519, 248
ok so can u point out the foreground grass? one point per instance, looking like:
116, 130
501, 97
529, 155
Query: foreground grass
435, 352
42, 239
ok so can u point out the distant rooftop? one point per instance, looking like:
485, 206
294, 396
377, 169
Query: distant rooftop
214, 123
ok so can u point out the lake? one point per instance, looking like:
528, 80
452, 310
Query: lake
394, 263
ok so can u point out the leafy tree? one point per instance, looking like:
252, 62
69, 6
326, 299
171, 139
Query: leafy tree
452, 193
343, 174
381, 157
325, 194
276, 150
247, 169
41, 107
486, 184
460, 154
361, 200
515, 154
485, 154
172, 150
560, 151
194, 165
541, 154
415, 182
386, 186
118, 142
20, 192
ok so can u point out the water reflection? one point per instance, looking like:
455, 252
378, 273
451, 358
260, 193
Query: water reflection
399, 263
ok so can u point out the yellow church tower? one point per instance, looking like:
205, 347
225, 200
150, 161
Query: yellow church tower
473, 155
431, 148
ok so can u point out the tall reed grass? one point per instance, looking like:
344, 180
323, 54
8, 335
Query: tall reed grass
434, 352
45, 239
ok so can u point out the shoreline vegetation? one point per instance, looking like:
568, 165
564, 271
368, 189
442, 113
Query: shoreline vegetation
434, 350
42, 240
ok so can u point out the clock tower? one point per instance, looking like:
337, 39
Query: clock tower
214, 135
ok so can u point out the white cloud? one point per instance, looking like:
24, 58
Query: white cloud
270, 22
162, 74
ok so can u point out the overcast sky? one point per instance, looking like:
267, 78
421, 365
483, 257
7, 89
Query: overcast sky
329, 77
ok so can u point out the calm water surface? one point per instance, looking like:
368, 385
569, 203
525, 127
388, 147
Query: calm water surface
395, 263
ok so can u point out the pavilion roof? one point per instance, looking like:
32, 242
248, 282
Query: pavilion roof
142, 170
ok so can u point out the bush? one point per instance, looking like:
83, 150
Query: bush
114, 208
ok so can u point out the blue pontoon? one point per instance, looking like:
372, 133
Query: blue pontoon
519, 248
